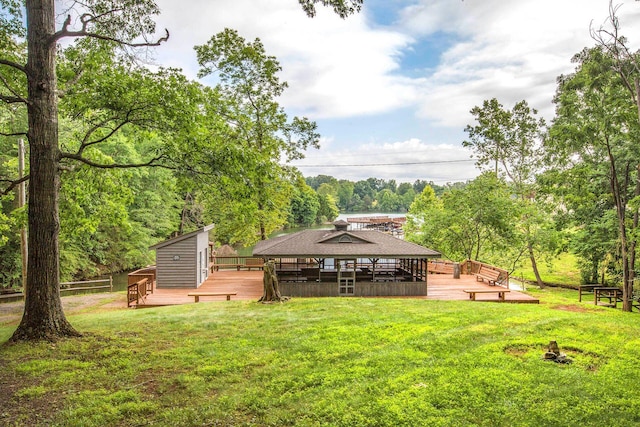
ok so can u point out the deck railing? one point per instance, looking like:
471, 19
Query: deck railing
138, 291
143, 273
237, 262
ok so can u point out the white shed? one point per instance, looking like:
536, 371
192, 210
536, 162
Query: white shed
183, 261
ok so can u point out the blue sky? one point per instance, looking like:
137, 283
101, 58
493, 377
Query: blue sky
393, 85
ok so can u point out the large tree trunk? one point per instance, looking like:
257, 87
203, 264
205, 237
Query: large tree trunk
43, 316
621, 208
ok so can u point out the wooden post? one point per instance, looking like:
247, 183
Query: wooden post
22, 199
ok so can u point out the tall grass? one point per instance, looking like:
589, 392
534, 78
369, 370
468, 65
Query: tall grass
338, 362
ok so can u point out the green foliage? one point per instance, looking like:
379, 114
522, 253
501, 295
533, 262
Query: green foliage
259, 130
350, 362
304, 205
474, 222
342, 8
593, 146
328, 210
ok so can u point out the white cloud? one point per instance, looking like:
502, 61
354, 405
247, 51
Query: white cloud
508, 51
351, 68
334, 67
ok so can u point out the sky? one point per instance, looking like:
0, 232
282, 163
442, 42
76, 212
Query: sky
391, 88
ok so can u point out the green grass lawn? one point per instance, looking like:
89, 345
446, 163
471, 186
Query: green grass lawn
562, 270
334, 362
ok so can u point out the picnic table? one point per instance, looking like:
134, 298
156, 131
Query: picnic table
612, 295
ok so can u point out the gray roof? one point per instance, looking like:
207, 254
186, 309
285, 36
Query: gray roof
340, 244
168, 242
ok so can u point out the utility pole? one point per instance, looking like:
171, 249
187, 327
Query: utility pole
22, 200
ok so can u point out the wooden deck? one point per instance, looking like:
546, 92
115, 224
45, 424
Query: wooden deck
248, 286
445, 287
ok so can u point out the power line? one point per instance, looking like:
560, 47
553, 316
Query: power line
433, 162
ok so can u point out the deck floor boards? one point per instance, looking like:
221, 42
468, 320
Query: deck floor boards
248, 286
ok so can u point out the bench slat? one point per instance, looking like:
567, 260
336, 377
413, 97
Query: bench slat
197, 295
501, 293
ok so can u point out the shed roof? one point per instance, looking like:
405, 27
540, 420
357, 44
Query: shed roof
340, 244
173, 240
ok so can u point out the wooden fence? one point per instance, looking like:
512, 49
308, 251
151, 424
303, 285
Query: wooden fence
87, 285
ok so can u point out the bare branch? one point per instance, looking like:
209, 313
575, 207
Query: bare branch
71, 83
16, 96
12, 99
85, 141
13, 184
87, 19
14, 65
13, 134
151, 163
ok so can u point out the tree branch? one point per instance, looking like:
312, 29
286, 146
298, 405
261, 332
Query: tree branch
151, 163
12, 184
16, 96
13, 65
70, 84
87, 19
13, 134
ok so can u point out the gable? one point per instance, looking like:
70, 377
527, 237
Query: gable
342, 238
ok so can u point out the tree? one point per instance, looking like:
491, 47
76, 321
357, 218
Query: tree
43, 316
328, 210
345, 195
31, 82
511, 139
249, 88
473, 222
596, 129
626, 65
304, 205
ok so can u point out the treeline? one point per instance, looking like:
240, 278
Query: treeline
372, 194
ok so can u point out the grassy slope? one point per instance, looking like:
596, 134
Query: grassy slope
562, 270
339, 362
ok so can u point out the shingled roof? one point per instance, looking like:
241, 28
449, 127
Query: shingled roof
340, 244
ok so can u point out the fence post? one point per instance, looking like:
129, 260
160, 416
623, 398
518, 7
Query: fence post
110, 283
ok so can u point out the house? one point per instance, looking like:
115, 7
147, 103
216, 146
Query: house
183, 261
347, 262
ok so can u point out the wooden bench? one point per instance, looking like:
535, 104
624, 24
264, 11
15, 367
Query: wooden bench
440, 268
197, 295
487, 273
472, 293
217, 267
254, 263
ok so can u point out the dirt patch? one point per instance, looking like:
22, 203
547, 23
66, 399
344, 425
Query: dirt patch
572, 307
11, 312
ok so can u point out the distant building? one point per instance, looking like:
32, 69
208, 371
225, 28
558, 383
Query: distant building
183, 261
